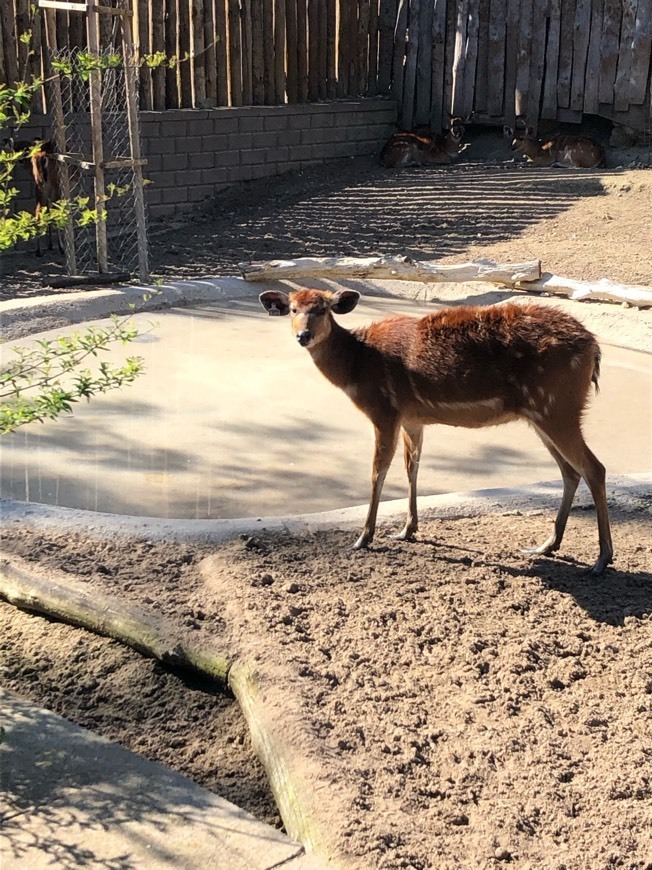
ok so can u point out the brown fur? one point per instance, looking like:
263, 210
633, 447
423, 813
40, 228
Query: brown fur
421, 147
470, 366
580, 152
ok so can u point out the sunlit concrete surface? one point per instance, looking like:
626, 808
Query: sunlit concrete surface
232, 419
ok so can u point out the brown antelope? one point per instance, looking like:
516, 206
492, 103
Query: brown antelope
38, 158
470, 366
580, 152
421, 147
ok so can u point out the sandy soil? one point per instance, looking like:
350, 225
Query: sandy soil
470, 706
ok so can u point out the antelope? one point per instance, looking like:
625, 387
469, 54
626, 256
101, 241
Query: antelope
468, 366
38, 158
580, 152
421, 147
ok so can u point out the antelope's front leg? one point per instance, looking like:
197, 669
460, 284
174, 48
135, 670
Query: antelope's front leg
383, 454
412, 444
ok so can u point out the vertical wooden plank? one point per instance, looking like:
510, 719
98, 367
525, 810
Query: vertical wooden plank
524, 49
198, 62
37, 66
386, 23
398, 64
496, 58
565, 53
135, 152
409, 84
331, 48
481, 85
537, 58
471, 60
95, 90
292, 84
268, 51
141, 38
363, 46
183, 53
279, 51
235, 53
344, 48
592, 77
3, 65
211, 7
372, 67
621, 87
353, 46
247, 55
459, 55
156, 43
171, 72
611, 17
77, 34
549, 102
438, 36
220, 55
322, 49
50, 28
424, 65
257, 59
641, 53
302, 49
22, 27
313, 51
452, 8
580, 51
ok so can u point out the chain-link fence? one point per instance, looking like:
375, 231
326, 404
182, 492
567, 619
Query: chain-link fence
109, 146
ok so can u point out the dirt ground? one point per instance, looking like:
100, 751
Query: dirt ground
467, 705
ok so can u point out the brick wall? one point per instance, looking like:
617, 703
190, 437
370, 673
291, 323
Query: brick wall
194, 153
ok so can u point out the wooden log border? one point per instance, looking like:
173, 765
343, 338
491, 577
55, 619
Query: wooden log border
69, 601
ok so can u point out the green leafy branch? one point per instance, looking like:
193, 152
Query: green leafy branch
45, 381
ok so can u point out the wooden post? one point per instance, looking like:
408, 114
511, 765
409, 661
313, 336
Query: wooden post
235, 52
60, 138
279, 51
129, 57
220, 57
95, 85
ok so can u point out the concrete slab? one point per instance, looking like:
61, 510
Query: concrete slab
232, 419
70, 798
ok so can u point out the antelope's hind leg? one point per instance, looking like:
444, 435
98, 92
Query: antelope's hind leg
571, 479
412, 444
574, 452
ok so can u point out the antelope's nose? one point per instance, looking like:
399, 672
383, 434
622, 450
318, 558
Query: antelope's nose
304, 337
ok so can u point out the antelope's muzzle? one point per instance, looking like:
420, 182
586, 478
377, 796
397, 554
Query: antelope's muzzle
304, 337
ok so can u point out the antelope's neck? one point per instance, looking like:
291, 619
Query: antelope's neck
335, 356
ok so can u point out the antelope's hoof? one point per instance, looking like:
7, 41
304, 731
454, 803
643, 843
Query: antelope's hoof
404, 535
363, 542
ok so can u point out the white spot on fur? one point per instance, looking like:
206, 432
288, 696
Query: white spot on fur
525, 390
533, 415
575, 361
351, 391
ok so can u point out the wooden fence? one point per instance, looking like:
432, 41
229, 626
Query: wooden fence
553, 59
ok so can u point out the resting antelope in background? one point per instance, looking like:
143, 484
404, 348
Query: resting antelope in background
421, 147
470, 366
580, 152
39, 160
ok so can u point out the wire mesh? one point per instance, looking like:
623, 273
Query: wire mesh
119, 182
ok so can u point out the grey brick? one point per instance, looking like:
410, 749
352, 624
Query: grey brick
240, 173
211, 177
152, 195
188, 177
240, 140
174, 194
277, 122
250, 124
253, 156
318, 137
158, 212
224, 125
173, 129
201, 161
323, 120
161, 146
154, 164
201, 127
264, 140
216, 142
197, 194
289, 137
175, 161
299, 122
227, 158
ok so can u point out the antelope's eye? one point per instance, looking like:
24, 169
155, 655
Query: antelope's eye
293, 311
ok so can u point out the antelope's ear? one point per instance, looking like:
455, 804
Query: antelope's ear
275, 302
344, 301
